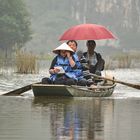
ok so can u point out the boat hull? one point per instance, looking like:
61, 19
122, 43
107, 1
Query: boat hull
72, 91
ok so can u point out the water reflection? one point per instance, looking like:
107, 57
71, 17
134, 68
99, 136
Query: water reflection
56, 118
76, 118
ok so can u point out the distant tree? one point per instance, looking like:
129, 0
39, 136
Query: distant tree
14, 24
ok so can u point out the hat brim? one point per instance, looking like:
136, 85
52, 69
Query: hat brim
63, 46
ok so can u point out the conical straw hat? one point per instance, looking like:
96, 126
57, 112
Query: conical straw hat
63, 46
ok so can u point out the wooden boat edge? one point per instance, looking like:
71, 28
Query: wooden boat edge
73, 91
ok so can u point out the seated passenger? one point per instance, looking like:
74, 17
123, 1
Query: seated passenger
81, 80
64, 61
92, 61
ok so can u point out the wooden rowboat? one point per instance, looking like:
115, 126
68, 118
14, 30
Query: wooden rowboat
72, 91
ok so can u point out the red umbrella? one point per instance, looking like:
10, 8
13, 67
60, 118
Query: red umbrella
87, 32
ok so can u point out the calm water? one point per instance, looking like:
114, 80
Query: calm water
52, 118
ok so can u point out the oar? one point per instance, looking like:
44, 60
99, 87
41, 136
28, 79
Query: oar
19, 90
136, 86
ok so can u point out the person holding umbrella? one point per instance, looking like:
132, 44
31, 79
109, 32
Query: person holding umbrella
89, 32
79, 71
92, 60
73, 45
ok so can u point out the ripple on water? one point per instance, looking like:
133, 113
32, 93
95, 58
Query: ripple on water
13, 81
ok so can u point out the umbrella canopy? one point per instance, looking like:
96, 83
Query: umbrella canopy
87, 32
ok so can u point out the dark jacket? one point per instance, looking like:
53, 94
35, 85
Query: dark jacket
99, 65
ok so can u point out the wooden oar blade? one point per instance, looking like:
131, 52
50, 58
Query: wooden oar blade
18, 91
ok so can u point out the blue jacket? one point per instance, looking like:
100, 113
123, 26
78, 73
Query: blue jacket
70, 72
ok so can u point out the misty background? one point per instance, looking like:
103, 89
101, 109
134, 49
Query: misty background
50, 18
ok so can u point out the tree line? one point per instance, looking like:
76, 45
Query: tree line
20, 19
14, 24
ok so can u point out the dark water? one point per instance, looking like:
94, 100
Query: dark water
69, 118
54, 118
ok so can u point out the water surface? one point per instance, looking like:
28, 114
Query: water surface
69, 118
58, 118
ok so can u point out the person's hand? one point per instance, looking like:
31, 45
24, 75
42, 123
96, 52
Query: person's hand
83, 60
98, 73
51, 71
68, 54
56, 70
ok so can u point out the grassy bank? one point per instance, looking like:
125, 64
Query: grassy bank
25, 62
123, 60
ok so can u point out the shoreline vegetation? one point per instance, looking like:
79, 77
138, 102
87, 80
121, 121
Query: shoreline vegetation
123, 60
26, 63
29, 63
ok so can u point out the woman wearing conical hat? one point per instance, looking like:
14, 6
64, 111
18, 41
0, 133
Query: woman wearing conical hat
63, 67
